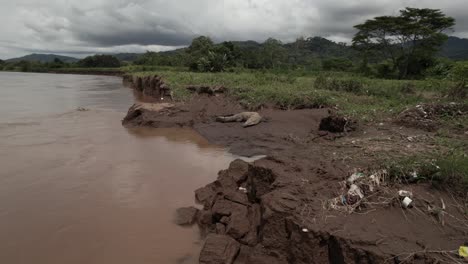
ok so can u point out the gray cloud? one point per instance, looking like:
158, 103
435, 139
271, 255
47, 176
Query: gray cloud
89, 26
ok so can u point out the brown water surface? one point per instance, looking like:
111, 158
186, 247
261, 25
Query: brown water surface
77, 187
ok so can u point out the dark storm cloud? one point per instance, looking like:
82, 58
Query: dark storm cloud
87, 26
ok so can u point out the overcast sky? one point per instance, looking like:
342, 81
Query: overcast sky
82, 27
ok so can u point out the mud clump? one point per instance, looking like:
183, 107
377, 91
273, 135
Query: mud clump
186, 216
337, 124
427, 116
219, 249
248, 217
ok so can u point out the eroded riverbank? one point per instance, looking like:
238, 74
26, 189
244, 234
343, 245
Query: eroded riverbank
280, 209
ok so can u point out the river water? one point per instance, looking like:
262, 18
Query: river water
77, 187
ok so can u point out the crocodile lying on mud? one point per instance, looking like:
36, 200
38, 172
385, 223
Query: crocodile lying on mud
276, 209
249, 118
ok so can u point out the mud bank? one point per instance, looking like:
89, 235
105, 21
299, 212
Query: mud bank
274, 210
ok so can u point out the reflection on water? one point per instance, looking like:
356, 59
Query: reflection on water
77, 187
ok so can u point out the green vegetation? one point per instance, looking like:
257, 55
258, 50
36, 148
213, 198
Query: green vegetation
410, 41
99, 61
447, 171
356, 96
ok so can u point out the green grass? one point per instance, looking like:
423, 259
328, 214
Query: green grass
362, 98
448, 171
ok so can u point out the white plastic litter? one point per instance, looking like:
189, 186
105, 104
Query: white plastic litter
355, 176
406, 202
305, 230
355, 190
242, 189
403, 193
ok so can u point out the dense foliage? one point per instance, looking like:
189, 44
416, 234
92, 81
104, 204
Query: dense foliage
97, 61
409, 41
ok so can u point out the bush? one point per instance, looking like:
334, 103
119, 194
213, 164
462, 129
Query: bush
386, 70
350, 85
458, 91
459, 72
408, 88
337, 64
100, 61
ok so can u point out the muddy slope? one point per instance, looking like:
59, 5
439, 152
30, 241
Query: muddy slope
275, 209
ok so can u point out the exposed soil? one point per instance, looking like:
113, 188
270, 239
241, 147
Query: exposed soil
274, 210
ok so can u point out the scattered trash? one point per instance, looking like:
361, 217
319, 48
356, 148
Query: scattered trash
355, 188
439, 212
242, 189
305, 230
406, 202
381, 124
355, 176
403, 193
463, 252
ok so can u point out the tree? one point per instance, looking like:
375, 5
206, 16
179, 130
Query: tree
205, 56
337, 64
107, 61
272, 53
409, 40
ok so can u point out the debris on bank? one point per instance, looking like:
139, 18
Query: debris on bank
249, 118
337, 124
357, 188
82, 109
426, 116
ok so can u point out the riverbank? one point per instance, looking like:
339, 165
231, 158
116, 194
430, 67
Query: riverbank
295, 205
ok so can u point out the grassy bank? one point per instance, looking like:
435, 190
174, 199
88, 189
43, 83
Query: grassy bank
359, 97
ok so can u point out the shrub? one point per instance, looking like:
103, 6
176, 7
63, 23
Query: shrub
337, 64
100, 61
351, 85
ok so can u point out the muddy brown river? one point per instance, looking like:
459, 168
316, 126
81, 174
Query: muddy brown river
77, 187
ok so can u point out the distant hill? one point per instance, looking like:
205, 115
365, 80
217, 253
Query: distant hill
455, 49
302, 51
43, 58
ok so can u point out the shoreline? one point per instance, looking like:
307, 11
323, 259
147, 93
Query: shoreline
275, 210
117, 73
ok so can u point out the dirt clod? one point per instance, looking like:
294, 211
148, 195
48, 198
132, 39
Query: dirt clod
337, 124
219, 249
186, 216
